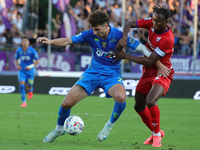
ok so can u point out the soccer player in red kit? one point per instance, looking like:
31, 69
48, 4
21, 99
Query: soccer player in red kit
151, 85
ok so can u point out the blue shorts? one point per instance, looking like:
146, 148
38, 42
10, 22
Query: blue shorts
92, 80
27, 76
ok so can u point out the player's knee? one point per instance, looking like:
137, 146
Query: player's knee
67, 104
151, 103
120, 98
139, 108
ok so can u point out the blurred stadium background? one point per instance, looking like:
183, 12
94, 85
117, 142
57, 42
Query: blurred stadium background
61, 67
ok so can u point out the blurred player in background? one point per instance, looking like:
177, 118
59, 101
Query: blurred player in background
151, 86
28, 57
101, 73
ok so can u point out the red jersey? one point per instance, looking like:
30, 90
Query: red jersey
162, 44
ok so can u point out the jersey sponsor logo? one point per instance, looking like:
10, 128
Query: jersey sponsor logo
101, 53
158, 39
7, 89
23, 58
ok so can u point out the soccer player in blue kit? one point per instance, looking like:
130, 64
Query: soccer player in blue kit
28, 60
101, 73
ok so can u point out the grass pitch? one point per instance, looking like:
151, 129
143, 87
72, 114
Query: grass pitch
25, 128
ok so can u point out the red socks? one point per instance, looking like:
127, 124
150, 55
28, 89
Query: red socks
155, 117
146, 118
151, 117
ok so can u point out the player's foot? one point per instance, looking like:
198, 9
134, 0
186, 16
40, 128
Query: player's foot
52, 136
104, 133
157, 141
30, 95
150, 139
23, 104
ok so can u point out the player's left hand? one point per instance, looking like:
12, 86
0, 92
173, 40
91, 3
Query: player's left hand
27, 68
119, 55
163, 71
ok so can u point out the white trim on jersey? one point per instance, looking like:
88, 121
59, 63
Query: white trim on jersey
160, 52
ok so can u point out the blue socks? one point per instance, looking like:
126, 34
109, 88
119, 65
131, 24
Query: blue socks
117, 110
63, 113
22, 92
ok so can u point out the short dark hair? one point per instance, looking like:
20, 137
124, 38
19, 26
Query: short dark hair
163, 11
98, 17
25, 37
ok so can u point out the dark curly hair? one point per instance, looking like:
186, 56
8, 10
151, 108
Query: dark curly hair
163, 11
98, 17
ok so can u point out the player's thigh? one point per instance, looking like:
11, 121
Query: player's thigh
156, 92
30, 79
118, 92
76, 94
21, 77
140, 101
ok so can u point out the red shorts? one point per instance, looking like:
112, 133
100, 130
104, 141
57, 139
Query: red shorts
148, 80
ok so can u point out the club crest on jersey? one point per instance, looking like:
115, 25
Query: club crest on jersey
104, 44
158, 39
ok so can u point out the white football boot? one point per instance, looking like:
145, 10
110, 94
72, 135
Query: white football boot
103, 134
52, 136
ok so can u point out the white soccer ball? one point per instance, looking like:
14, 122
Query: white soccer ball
73, 125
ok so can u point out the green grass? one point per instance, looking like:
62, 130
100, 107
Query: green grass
25, 128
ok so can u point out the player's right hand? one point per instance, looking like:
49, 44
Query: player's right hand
122, 43
44, 40
19, 67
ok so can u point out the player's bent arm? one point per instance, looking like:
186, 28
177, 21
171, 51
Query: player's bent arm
32, 65
17, 64
127, 26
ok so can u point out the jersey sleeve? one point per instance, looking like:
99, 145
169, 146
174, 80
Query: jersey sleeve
35, 54
17, 55
145, 23
79, 38
131, 43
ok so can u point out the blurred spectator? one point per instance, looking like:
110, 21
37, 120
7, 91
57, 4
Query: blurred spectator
17, 41
57, 24
185, 41
2, 27
3, 40
18, 21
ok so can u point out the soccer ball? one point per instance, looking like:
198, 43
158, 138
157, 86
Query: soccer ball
73, 125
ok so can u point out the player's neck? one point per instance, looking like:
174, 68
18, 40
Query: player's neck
24, 48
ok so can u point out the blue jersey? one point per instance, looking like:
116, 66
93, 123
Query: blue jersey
26, 57
100, 48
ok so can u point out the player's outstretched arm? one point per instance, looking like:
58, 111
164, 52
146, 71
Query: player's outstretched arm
162, 69
147, 61
58, 42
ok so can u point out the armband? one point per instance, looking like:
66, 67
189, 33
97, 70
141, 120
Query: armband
30, 66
